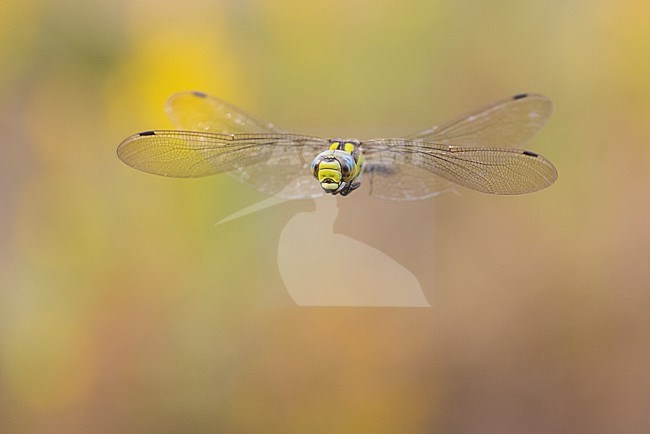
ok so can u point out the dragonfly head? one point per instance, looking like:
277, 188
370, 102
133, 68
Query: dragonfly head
334, 169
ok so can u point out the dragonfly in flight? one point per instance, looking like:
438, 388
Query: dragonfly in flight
480, 151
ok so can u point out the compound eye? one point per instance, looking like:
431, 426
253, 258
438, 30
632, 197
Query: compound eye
347, 165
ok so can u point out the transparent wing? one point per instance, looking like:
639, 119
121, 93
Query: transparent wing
197, 111
409, 169
272, 163
508, 123
394, 180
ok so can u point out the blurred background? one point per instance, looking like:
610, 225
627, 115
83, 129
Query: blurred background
124, 308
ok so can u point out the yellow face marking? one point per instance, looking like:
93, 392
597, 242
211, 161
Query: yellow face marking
334, 146
329, 185
334, 165
349, 147
330, 170
329, 173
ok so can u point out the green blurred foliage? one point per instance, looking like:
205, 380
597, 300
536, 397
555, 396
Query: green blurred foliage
124, 308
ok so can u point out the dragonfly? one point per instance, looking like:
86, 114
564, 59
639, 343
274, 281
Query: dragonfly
480, 150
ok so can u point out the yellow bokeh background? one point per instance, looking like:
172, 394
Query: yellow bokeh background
124, 308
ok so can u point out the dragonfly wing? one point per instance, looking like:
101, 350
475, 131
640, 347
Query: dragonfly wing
394, 180
487, 169
285, 171
507, 123
197, 111
270, 162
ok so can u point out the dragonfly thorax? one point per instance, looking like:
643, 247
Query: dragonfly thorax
338, 168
